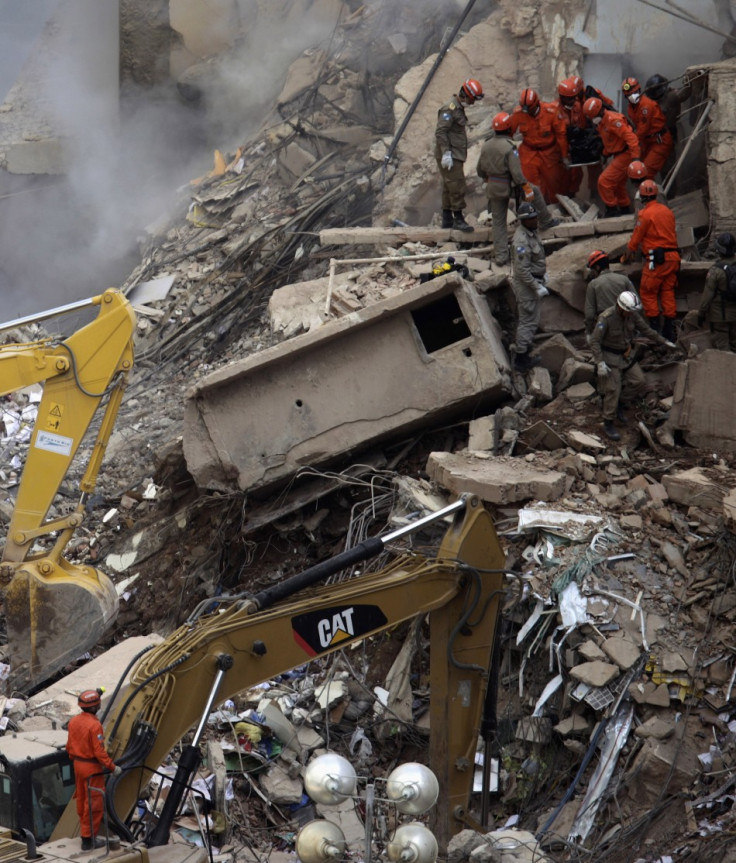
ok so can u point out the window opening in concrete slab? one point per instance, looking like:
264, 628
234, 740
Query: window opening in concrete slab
440, 323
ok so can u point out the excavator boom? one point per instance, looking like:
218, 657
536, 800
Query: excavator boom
56, 610
216, 656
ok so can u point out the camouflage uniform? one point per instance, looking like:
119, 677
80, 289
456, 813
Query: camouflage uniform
611, 342
499, 167
451, 134
716, 309
529, 265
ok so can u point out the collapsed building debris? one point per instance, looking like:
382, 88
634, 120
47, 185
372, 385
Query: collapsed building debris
626, 569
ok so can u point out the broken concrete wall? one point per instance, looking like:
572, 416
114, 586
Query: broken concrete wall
721, 143
409, 360
38, 120
703, 406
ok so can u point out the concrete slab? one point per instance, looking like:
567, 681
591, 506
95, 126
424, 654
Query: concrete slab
412, 360
498, 480
60, 699
703, 408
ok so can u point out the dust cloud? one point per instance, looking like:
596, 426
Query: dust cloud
65, 238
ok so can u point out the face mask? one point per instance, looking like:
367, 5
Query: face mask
596, 120
634, 98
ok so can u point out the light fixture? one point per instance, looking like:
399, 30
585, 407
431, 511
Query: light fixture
412, 843
329, 779
320, 841
413, 788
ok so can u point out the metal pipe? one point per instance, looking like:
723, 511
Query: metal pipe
418, 98
686, 149
50, 313
370, 547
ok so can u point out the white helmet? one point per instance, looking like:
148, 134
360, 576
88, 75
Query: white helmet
629, 302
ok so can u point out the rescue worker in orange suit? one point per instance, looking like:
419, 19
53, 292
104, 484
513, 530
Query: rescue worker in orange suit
655, 233
543, 143
715, 305
572, 94
637, 173
499, 168
622, 145
650, 124
451, 151
620, 377
86, 748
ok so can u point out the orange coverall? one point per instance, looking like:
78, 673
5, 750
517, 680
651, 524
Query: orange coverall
87, 751
655, 139
655, 229
543, 144
620, 142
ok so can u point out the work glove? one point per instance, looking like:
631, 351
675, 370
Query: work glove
603, 369
446, 161
670, 344
528, 192
542, 290
566, 162
627, 256
117, 770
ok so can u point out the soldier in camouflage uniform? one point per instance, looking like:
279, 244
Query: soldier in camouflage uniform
529, 273
611, 344
715, 306
451, 151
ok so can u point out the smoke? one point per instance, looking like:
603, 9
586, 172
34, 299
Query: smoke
63, 238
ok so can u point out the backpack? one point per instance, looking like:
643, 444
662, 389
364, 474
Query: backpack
730, 292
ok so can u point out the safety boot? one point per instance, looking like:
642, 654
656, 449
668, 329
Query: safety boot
668, 330
447, 220
610, 212
621, 415
654, 323
89, 843
611, 431
523, 362
459, 223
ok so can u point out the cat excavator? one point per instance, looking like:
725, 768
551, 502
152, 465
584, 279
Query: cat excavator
251, 638
56, 610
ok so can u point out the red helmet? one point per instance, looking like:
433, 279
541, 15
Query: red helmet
529, 101
571, 88
472, 90
648, 189
596, 257
637, 170
630, 85
592, 107
89, 699
502, 122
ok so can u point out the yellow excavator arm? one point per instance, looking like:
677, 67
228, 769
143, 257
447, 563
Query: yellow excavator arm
174, 687
56, 610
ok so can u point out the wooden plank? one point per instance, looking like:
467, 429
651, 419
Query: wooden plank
397, 236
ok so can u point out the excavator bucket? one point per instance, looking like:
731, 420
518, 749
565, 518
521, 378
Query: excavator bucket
53, 619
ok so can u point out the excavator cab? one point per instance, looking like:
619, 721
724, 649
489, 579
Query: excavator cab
56, 610
36, 782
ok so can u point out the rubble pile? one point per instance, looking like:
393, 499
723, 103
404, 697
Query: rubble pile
616, 727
